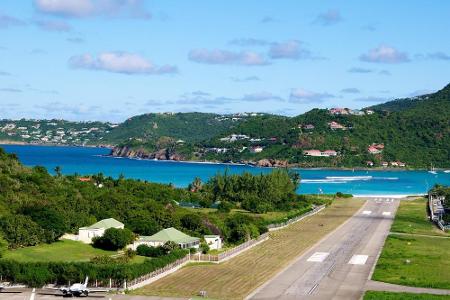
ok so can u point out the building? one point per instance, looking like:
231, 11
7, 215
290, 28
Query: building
384, 164
336, 126
308, 127
373, 150
370, 163
214, 241
338, 111
318, 153
168, 235
257, 149
85, 234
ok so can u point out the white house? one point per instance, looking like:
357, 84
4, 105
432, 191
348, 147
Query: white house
214, 242
167, 235
85, 234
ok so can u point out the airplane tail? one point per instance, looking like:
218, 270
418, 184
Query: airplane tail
86, 281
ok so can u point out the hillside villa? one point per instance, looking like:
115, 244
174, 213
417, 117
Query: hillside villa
318, 153
167, 235
336, 126
257, 149
86, 234
375, 148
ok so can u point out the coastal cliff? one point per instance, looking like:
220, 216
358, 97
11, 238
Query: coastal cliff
162, 154
166, 154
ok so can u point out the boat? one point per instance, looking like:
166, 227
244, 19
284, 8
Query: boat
447, 171
432, 170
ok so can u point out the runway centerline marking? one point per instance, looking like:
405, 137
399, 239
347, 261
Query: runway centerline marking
367, 212
386, 213
358, 259
318, 257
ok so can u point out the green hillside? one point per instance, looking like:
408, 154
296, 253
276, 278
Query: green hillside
189, 127
415, 131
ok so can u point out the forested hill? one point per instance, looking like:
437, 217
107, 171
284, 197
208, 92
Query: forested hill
413, 131
189, 127
429, 102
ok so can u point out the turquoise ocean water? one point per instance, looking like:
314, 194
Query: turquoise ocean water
91, 161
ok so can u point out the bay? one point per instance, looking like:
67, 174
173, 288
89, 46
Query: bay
87, 161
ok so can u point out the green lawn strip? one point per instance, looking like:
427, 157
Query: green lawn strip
428, 264
412, 218
373, 295
65, 250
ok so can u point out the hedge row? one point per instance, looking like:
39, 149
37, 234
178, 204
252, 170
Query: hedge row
37, 274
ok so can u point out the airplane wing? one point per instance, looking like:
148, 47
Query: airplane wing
98, 290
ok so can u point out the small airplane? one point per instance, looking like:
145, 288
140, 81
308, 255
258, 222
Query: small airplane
79, 289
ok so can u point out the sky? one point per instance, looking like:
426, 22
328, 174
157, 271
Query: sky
108, 60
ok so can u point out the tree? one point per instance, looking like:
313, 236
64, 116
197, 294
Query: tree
114, 239
3, 246
58, 171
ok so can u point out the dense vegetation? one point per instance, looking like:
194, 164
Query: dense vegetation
36, 207
37, 274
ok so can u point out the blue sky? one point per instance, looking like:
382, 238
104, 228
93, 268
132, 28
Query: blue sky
111, 59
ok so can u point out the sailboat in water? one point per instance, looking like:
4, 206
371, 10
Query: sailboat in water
432, 170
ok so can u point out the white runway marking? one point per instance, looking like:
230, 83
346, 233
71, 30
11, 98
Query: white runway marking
386, 213
367, 212
358, 260
318, 257
33, 293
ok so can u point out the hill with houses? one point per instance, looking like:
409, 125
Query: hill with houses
410, 132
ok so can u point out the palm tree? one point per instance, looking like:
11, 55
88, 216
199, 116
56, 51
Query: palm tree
196, 184
58, 170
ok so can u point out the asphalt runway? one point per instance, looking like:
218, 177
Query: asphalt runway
339, 266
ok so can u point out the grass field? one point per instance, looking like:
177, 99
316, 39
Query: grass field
239, 276
412, 218
420, 258
65, 250
372, 295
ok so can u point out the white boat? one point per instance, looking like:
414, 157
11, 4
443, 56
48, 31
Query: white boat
432, 170
447, 171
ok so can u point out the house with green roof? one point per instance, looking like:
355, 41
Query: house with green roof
86, 234
168, 235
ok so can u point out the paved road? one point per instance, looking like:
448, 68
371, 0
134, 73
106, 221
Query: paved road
339, 266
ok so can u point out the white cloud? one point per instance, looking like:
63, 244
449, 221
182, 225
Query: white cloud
351, 91
305, 96
224, 57
330, 17
359, 70
260, 96
246, 42
10, 90
385, 54
9, 21
119, 62
245, 79
58, 26
87, 8
288, 50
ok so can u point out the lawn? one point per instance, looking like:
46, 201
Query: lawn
412, 218
372, 295
239, 276
428, 266
65, 250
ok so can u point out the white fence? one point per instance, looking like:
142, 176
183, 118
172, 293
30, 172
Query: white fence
278, 226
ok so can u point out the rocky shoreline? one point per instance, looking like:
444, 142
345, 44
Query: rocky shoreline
165, 154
